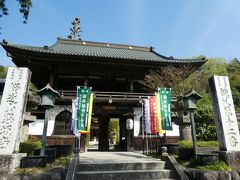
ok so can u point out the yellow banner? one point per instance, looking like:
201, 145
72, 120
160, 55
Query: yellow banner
90, 113
158, 111
89, 116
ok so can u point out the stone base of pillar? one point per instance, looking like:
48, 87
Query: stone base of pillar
9, 163
231, 158
185, 132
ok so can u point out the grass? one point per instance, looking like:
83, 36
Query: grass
221, 166
61, 162
192, 163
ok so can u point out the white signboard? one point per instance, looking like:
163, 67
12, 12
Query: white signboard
225, 117
12, 108
137, 124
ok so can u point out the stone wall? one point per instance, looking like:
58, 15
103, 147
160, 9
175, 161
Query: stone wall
211, 175
54, 174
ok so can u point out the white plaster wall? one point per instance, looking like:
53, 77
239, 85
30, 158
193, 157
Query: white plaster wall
174, 132
36, 128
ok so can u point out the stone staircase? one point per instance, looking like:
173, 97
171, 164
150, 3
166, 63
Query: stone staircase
122, 166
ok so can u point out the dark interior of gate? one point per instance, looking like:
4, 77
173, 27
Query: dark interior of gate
112, 70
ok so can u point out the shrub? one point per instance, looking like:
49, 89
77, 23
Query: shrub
221, 166
185, 144
206, 132
207, 143
30, 145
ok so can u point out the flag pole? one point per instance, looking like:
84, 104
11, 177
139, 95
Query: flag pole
143, 129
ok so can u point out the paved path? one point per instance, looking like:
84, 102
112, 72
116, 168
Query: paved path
114, 157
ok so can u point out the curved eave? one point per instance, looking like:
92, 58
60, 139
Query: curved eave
15, 51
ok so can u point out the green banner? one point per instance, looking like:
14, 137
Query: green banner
83, 95
165, 108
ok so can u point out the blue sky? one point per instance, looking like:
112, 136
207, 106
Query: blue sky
179, 28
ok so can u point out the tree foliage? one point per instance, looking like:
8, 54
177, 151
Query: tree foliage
169, 77
25, 6
234, 77
3, 72
184, 78
199, 79
113, 131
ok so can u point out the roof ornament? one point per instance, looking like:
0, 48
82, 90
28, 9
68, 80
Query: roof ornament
75, 29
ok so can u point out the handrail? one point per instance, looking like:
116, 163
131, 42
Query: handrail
72, 167
111, 95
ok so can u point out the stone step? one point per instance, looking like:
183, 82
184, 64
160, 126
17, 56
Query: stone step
145, 165
125, 175
156, 179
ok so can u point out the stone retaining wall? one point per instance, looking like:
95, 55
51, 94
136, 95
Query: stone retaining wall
55, 174
211, 175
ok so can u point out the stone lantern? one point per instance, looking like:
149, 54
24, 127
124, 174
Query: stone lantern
190, 104
48, 95
190, 100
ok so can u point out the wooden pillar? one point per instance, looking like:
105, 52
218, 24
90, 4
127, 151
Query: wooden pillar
123, 134
103, 144
131, 85
86, 81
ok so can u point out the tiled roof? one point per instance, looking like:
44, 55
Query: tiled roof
104, 50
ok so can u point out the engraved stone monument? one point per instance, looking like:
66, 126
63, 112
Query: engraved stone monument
225, 120
12, 110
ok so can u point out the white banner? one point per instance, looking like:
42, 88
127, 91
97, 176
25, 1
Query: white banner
138, 114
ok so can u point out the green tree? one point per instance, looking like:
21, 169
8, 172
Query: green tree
25, 6
3, 72
113, 130
199, 79
204, 117
168, 76
234, 77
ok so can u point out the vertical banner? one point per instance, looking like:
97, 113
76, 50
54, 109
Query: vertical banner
84, 95
158, 115
165, 108
74, 117
152, 112
146, 116
90, 112
136, 120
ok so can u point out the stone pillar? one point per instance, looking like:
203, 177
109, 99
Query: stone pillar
103, 144
226, 121
184, 123
12, 109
